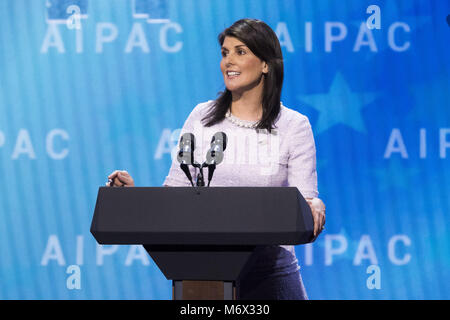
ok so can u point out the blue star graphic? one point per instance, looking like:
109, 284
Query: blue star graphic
395, 175
431, 101
339, 106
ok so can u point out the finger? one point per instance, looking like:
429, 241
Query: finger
125, 178
117, 172
316, 223
314, 216
129, 182
114, 174
314, 238
117, 182
315, 219
322, 222
319, 229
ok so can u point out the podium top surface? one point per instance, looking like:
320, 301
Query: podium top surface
202, 216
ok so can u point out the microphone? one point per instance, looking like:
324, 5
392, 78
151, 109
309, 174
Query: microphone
186, 154
214, 156
218, 146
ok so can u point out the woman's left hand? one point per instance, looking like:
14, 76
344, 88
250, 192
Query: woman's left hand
318, 213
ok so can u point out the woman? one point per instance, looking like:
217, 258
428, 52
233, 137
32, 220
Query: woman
268, 145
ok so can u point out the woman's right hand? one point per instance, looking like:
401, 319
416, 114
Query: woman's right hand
120, 178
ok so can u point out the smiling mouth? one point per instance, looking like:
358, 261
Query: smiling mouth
233, 74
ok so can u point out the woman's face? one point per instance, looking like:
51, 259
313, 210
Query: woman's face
241, 69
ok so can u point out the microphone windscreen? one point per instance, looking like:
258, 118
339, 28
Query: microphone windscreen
219, 138
187, 146
218, 145
187, 139
214, 156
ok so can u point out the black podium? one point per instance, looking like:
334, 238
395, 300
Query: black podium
201, 238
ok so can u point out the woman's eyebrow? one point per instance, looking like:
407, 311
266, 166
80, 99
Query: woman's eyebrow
238, 46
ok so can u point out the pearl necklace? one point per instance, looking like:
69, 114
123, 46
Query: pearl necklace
240, 122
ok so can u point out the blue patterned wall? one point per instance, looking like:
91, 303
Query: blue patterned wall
76, 104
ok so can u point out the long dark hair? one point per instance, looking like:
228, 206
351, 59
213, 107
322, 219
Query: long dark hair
264, 44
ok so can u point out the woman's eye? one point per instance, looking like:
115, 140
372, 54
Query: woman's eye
239, 52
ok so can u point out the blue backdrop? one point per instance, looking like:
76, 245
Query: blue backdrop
109, 91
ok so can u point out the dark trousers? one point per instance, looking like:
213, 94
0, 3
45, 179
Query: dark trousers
283, 287
271, 274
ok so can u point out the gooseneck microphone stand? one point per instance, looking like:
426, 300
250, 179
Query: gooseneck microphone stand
185, 154
200, 177
214, 157
215, 154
